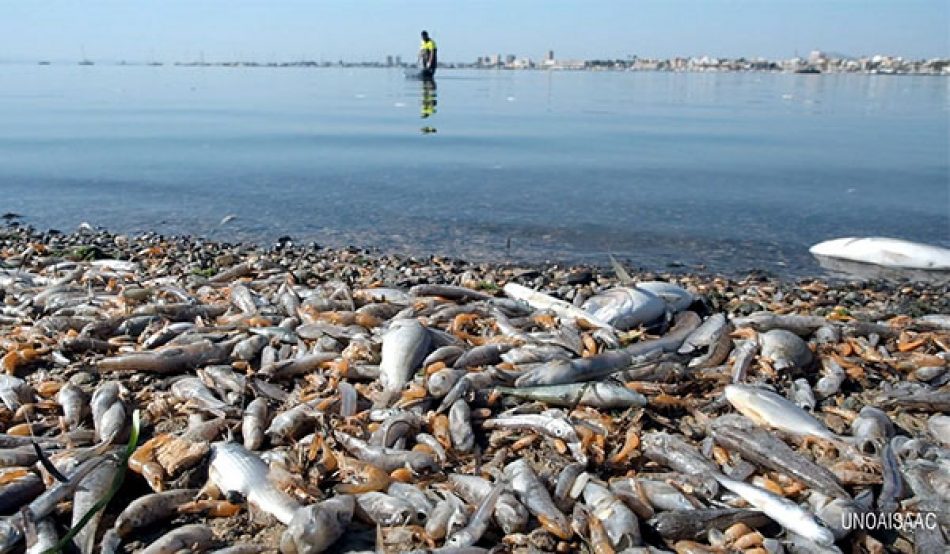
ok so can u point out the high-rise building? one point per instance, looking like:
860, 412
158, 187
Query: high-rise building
399, 61
550, 57
389, 61
510, 59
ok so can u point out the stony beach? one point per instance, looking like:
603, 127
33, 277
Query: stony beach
302, 399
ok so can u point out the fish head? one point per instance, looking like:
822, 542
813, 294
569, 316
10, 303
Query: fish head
745, 400
459, 540
560, 429
314, 528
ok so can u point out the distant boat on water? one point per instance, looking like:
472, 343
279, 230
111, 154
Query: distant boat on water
85, 60
44, 62
808, 70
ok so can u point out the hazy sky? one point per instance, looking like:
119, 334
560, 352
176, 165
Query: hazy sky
182, 30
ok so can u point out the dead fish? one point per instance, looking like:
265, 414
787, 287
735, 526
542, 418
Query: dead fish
530, 490
14, 392
384, 509
675, 453
249, 348
801, 325
535, 353
939, 427
445, 354
75, 404
109, 416
46, 537
458, 294
541, 301
441, 382
447, 517
761, 447
664, 496
558, 372
780, 509
170, 359
234, 468
713, 335
18, 492
405, 345
192, 538
676, 297
91, 489
195, 394
619, 521
388, 459
892, 488
460, 426
625, 308
510, 513
742, 357
314, 528
802, 394
290, 368
695, 524
550, 423
11, 528
785, 349
253, 424
602, 395
769, 409
150, 509
290, 424
478, 524
487, 354
833, 375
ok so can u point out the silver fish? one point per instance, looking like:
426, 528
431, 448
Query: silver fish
405, 345
601, 395
91, 489
783, 511
234, 468
314, 528
785, 349
769, 409
253, 423
530, 490
625, 308
620, 522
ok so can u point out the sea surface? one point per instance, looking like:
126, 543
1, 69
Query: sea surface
719, 171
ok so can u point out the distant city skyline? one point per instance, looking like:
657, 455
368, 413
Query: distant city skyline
370, 30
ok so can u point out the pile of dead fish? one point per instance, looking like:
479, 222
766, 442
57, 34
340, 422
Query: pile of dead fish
305, 400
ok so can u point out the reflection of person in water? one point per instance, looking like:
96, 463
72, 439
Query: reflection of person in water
429, 102
428, 56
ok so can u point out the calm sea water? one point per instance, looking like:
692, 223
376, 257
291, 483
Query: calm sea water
729, 171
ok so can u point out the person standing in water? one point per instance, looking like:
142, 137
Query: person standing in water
428, 56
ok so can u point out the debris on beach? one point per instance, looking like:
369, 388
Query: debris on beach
300, 400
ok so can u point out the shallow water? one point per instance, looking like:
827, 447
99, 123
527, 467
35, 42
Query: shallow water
731, 171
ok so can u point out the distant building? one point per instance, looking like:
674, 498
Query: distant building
510, 59
550, 56
389, 61
399, 61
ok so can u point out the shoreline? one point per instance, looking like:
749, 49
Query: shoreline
212, 256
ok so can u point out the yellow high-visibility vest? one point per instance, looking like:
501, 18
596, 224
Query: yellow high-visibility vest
428, 45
